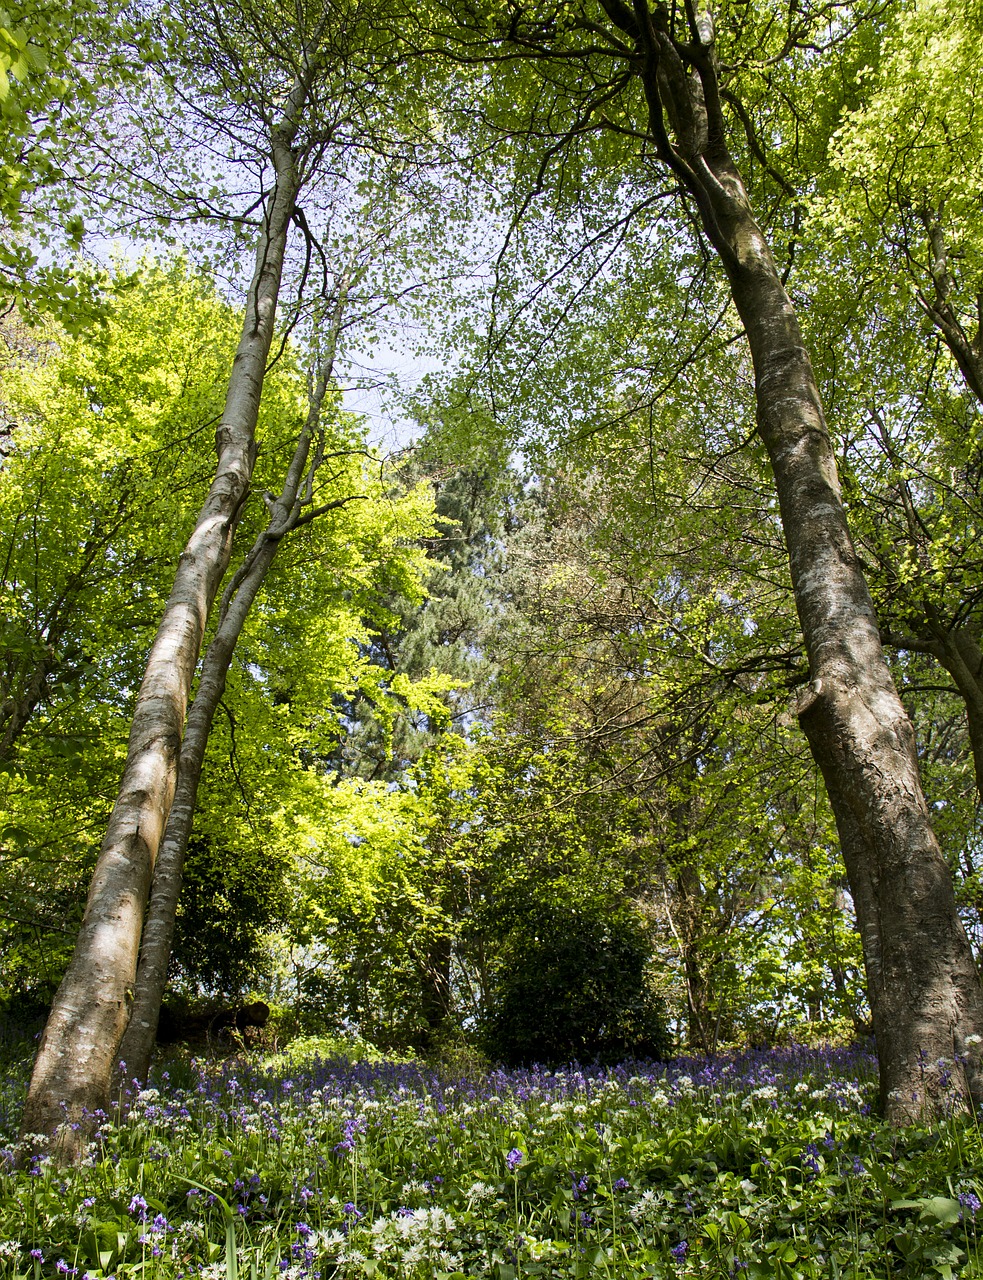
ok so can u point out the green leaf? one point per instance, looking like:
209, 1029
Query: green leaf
942, 1208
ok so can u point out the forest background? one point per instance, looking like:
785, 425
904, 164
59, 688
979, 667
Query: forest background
508, 753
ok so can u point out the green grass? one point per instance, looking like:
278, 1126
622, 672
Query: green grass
765, 1165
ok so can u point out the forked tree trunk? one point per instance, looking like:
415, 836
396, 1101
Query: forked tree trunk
927, 997
73, 1070
287, 514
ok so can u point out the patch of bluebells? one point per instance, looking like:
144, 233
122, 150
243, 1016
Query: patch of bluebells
698, 1167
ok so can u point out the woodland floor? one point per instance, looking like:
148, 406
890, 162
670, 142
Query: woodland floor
766, 1164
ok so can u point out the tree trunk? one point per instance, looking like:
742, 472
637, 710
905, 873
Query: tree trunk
435, 987
137, 1044
959, 652
71, 1078
967, 350
927, 998
18, 707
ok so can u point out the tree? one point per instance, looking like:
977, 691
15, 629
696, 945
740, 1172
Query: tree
669, 676
72, 1072
655, 80
110, 452
108, 447
447, 631
896, 206
302, 498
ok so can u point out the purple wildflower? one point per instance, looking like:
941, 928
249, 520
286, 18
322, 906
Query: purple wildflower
680, 1250
513, 1159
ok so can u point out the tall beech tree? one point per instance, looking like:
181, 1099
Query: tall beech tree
88, 1015
72, 1073
897, 206
654, 77
294, 506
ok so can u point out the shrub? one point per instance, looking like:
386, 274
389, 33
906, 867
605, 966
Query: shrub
572, 984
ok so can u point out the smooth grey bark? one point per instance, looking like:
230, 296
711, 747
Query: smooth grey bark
927, 997
72, 1073
286, 514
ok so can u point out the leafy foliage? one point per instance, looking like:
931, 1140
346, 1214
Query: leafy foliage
770, 1164
571, 983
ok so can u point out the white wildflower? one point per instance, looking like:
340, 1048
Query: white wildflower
353, 1257
648, 1206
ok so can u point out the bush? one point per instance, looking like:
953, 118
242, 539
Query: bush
572, 984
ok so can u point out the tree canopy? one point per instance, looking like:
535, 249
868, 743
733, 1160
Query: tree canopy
640, 701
